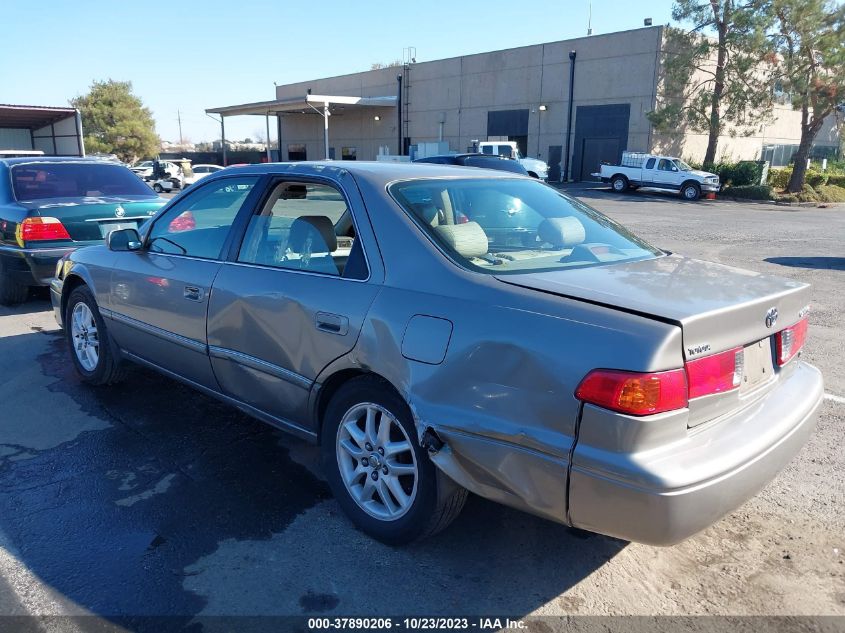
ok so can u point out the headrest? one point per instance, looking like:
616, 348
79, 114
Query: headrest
318, 228
562, 232
468, 239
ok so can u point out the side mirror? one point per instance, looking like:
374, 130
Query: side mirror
124, 240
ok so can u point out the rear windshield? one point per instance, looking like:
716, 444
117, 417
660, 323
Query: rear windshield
509, 225
489, 162
36, 181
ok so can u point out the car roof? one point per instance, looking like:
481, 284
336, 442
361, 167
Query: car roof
57, 159
376, 172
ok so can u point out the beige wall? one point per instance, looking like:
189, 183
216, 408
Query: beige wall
459, 92
613, 68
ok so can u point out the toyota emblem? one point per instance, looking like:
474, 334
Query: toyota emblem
771, 317
119, 211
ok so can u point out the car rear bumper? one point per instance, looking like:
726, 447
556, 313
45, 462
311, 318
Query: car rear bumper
32, 266
663, 496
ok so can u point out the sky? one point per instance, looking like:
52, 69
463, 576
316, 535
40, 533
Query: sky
186, 56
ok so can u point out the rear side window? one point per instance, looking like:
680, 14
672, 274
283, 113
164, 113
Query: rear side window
650, 164
307, 227
38, 181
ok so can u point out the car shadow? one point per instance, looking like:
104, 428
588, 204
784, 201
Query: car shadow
821, 263
146, 498
37, 301
641, 195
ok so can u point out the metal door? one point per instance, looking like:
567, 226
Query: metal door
158, 297
272, 329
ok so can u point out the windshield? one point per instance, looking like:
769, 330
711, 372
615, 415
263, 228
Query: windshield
37, 181
682, 165
507, 225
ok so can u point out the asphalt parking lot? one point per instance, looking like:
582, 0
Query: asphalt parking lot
147, 498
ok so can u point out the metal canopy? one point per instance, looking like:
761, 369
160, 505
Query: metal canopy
32, 117
320, 104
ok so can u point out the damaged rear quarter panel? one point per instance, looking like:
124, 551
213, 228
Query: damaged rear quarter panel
503, 398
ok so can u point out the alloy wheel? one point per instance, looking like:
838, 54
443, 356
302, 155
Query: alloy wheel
376, 461
86, 342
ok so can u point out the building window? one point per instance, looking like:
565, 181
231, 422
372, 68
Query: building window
349, 153
296, 151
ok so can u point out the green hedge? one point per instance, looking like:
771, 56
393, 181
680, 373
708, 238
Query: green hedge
741, 174
750, 192
779, 178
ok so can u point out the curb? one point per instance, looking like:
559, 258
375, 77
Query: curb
804, 205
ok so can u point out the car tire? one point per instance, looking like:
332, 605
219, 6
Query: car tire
93, 356
420, 502
158, 188
619, 184
12, 292
690, 191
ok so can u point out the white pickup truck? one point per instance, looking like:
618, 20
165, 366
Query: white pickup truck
534, 166
659, 172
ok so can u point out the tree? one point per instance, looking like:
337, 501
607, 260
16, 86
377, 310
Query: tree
115, 121
810, 39
379, 65
716, 73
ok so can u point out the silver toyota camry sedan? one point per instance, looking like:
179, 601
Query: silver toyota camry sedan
440, 329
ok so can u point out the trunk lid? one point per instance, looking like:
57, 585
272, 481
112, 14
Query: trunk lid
90, 219
718, 307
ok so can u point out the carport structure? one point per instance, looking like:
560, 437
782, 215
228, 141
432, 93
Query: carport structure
54, 131
307, 106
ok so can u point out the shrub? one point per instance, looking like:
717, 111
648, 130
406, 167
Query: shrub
815, 178
836, 180
831, 193
779, 178
807, 194
739, 174
750, 192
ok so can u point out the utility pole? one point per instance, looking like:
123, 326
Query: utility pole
179, 118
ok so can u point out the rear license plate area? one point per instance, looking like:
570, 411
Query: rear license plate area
757, 365
108, 227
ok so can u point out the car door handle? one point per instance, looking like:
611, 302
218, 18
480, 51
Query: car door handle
193, 293
332, 323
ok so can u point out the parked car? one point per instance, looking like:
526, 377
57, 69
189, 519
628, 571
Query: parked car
52, 205
509, 149
476, 160
201, 171
657, 172
582, 375
144, 169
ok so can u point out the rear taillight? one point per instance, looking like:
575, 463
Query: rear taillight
41, 229
634, 393
716, 373
789, 341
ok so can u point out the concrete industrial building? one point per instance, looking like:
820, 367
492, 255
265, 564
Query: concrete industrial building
520, 94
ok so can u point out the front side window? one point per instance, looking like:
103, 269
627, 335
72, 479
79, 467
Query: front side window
38, 181
198, 225
307, 227
506, 150
665, 165
508, 225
